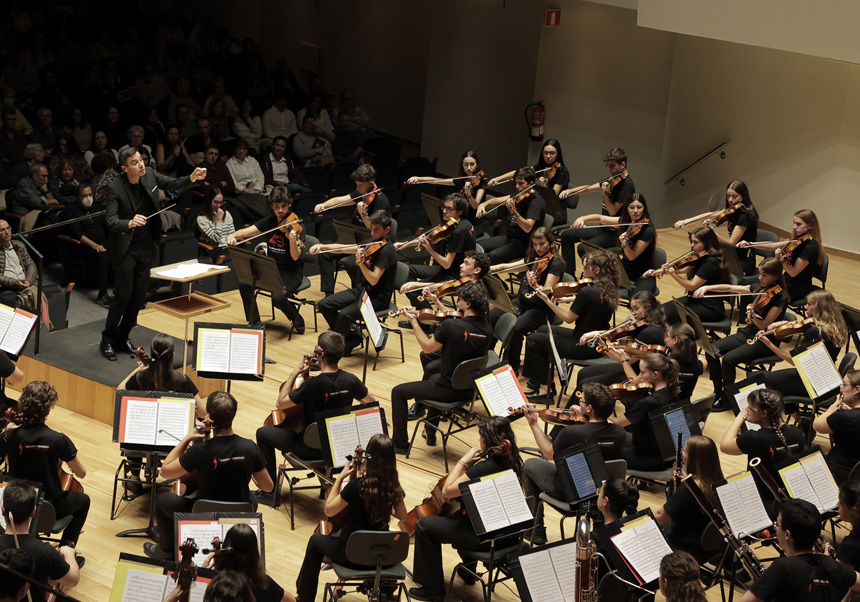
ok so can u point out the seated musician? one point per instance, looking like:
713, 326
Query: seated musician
543, 270
849, 512
616, 499
51, 565
775, 442
285, 248
371, 497
332, 388
459, 339
641, 450
734, 350
225, 464
682, 517
15, 587
590, 309
680, 578
597, 405
802, 575
12, 375
842, 422
365, 181
34, 451
447, 254
378, 270
432, 531
526, 214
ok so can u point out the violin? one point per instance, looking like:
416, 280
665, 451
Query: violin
435, 234
429, 316
368, 201
515, 199
187, 574
632, 231
559, 417
683, 261
792, 244
293, 223
637, 350
762, 301
291, 418
369, 250
784, 330
68, 482
562, 289
722, 216
553, 169
339, 523
449, 287
616, 333
504, 448
613, 181
629, 392
477, 179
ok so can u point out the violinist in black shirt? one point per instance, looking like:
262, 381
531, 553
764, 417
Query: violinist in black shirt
527, 210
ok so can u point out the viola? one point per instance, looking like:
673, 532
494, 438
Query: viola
293, 223
792, 244
477, 179
637, 350
68, 482
562, 289
429, 316
763, 300
553, 169
187, 574
784, 330
435, 234
559, 417
449, 287
628, 392
722, 216
435, 504
291, 418
614, 181
515, 199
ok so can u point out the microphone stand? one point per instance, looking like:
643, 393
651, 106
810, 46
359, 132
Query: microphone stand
40, 266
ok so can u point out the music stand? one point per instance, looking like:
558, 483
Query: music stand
623, 279
433, 207
852, 319
256, 270
730, 253
498, 293
695, 323
666, 422
553, 203
348, 233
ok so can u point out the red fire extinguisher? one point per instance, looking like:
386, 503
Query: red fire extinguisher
536, 120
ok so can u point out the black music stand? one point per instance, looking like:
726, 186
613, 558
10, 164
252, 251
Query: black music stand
730, 253
498, 293
623, 279
852, 319
348, 233
256, 270
553, 203
695, 323
433, 206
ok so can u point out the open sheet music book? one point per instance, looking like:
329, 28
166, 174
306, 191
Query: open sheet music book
816, 370
226, 350
642, 545
498, 502
810, 479
741, 504
374, 328
204, 531
347, 431
161, 421
549, 573
139, 579
15, 327
500, 390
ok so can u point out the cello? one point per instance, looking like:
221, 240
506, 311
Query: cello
186, 576
68, 482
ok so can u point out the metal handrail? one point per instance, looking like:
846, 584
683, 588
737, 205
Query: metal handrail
678, 175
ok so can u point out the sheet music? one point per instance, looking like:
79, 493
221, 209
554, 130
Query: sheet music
245, 349
821, 479
564, 563
489, 505
798, 485
643, 546
368, 424
742, 505
18, 331
370, 319
202, 532
343, 437
511, 389
541, 579
174, 417
213, 350
491, 392
145, 586
229, 523
581, 475
140, 421
189, 270
6, 315
678, 422
513, 500
741, 399
820, 373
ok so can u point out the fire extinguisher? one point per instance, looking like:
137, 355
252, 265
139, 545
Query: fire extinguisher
536, 120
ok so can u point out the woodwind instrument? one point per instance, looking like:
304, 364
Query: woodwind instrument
672, 486
586, 564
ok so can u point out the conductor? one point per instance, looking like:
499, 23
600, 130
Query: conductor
131, 245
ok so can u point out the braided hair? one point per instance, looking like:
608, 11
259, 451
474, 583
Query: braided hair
770, 404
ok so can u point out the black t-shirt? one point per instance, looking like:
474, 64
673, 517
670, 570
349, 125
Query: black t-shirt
272, 592
804, 578
358, 515
224, 466
181, 383
636, 267
766, 444
7, 368
386, 258
708, 268
462, 339
849, 549
380, 202
49, 563
485, 467
845, 451
688, 377
93, 228
532, 207
327, 391
561, 177
620, 194
34, 451
460, 242
555, 267
745, 219
644, 440
592, 310
609, 438
816, 333
688, 522
780, 301
650, 334
800, 285
278, 244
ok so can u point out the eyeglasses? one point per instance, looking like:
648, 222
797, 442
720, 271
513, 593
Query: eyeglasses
447, 209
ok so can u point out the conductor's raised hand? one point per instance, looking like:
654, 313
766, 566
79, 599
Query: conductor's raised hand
199, 173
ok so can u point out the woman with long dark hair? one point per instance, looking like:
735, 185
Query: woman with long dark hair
240, 552
550, 159
372, 496
848, 507
432, 531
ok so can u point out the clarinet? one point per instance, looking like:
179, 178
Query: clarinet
672, 486
748, 559
821, 544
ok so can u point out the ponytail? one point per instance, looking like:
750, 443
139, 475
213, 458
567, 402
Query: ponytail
668, 369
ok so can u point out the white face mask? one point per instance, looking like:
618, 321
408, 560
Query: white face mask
87, 202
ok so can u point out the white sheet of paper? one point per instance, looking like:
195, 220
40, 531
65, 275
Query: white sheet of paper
491, 392
756, 514
819, 369
245, 349
564, 563
16, 334
513, 499
202, 534
176, 419
343, 438
6, 314
540, 577
214, 350
368, 424
514, 397
798, 485
143, 586
489, 505
643, 547
741, 398
822, 480
140, 421
189, 270
370, 319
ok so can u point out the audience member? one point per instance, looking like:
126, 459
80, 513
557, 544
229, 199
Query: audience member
184, 121
113, 128
311, 149
92, 233
182, 96
18, 273
278, 120
31, 195
219, 121
359, 117
322, 120
177, 161
33, 153
279, 169
80, 129
67, 148
248, 126
9, 102
135, 135
199, 144
246, 171
100, 144
12, 142
346, 146
103, 165
65, 187
153, 129
219, 93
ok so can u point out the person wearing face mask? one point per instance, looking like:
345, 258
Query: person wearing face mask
92, 234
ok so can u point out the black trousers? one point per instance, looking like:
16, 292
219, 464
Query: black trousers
327, 263
319, 546
538, 353
731, 352
787, 382
341, 310
605, 374
291, 280
422, 273
648, 285
131, 281
166, 506
528, 321
706, 313
78, 505
602, 237
270, 438
435, 388
639, 459
501, 249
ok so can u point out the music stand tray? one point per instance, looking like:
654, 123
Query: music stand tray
553, 203
498, 293
348, 233
433, 207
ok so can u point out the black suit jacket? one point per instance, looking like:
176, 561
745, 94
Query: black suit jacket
119, 207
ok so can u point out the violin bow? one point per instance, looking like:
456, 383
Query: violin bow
581, 189
349, 201
351, 247
439, 180
536, 173
244, 240
510, 198
516, 267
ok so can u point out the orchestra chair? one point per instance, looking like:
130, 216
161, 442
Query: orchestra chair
458, 414
401, 278
47, 522
380, 556
702, 408
659, 260
723, 326
502, 331
218, 506
312, 440
294, 298
614, 468
718, 551
799, 305
808, 409
765, 236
